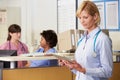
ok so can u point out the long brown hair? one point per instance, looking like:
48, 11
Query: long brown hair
14, 28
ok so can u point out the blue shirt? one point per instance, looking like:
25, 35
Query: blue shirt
38, 63
98, 64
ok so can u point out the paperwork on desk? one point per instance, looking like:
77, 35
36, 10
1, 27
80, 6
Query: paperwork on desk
64, 58
35, 56
46, 54
56, 55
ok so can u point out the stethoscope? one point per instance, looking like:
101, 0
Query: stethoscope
22, 49
95, 38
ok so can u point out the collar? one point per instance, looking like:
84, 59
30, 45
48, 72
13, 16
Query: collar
92, 33
48, 51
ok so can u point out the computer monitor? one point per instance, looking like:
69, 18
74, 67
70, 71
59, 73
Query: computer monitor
5, 64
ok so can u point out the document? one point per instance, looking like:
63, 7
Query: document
112, 15
63, 58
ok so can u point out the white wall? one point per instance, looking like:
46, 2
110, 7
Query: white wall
14, 3
36, 15
44, 17
115, 36
12, 15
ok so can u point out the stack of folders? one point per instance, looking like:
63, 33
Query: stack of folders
37, 54
116, 56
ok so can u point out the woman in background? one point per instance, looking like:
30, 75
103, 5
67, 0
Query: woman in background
93, 56
47, 44
14, 43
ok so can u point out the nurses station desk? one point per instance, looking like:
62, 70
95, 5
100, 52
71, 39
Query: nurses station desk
46, 73
41, 73
34, 56
13, 59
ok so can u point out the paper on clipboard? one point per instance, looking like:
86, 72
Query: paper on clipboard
63, 58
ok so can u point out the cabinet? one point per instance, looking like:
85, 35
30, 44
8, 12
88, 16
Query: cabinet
42, 73
116, 71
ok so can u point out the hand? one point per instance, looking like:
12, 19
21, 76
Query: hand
78, 67
72, 65
61, 62
69, 64
28, 64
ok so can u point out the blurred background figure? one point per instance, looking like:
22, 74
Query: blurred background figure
47, 43
13, 43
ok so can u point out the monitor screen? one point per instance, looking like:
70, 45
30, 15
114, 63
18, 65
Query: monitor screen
4, 64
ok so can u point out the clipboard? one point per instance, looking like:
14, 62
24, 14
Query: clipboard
63, 58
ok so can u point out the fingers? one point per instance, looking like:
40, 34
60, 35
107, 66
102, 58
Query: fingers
61, 62
68, 64
71, 65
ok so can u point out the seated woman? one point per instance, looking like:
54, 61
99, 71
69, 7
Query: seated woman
47, 44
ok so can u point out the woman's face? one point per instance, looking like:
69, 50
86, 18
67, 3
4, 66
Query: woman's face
43, 42
87, 21
15, 36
